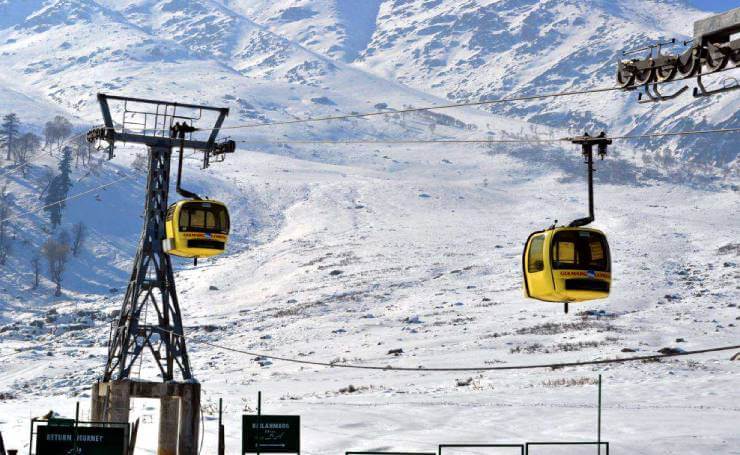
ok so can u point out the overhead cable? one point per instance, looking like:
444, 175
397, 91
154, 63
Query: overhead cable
69, 198
471, 369
510, 99
423, 369
75, 196
677, 133
484, 141
15, 168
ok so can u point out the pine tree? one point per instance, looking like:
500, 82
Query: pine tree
52, 204
59, 189
65, 172
9, 133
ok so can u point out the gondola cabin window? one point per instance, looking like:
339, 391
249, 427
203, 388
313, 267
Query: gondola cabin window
580, 250
536, 261
204, 217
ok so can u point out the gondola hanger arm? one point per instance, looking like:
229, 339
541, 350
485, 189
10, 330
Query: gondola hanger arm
178, 131
587, 143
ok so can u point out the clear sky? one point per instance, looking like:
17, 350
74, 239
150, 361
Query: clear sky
716, 5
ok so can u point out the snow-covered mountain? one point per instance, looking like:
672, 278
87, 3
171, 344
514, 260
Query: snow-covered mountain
276, 60
479, 50
347, 253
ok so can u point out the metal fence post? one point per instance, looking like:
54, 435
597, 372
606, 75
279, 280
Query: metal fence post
259, 420
598, 436
221, 436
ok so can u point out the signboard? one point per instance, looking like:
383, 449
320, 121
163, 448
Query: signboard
271, 434
61, 440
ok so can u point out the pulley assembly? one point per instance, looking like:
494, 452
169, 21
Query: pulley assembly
712, 50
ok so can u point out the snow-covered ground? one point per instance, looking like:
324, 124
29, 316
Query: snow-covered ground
342, 253
419, 248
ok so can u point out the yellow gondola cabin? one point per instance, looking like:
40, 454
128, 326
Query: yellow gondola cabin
567, 264
196, 228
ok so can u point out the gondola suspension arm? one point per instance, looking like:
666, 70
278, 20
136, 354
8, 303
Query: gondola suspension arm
587, 143
178, 131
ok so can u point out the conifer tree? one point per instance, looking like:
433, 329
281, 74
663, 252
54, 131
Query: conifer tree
65, 172
9, 131
59, 189
52, 202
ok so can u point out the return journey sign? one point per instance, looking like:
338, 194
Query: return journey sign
271, 434
60, 440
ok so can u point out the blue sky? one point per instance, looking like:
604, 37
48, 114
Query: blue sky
715, 5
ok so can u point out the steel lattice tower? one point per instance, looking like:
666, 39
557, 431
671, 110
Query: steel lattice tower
151, 288
152, 284
161, 126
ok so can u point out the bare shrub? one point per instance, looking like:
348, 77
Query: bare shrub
139, 163
570, 382
56, 252
79, 234
560, 347
551, 328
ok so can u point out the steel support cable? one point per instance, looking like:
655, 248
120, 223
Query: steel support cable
106, 185
74, 196
440, 369
637, 136
69, 198
510, 99
504, 100
423, 108
404, 141
66, 143
677, 133
471, 369
14, 169
487, 141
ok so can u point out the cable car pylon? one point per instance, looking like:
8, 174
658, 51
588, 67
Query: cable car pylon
570, 263
151, 287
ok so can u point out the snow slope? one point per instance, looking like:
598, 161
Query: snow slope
346, 252
428, 246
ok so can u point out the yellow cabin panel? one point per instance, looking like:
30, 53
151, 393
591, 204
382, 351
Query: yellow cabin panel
196, 228
567, 265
